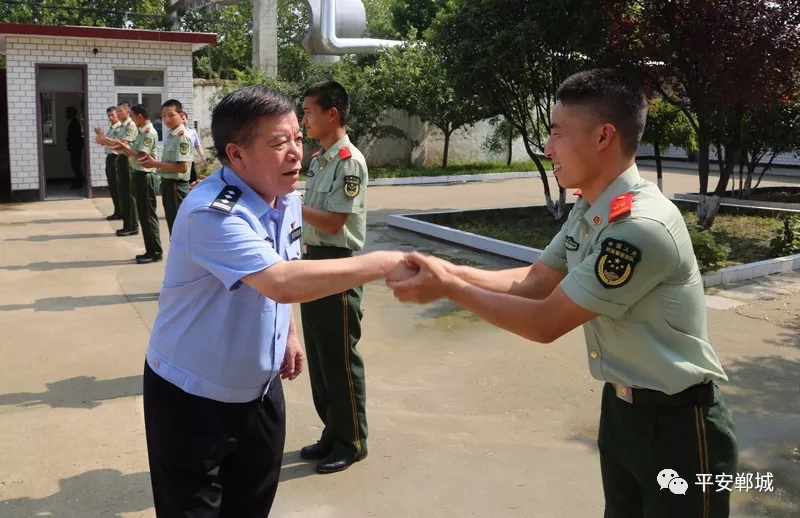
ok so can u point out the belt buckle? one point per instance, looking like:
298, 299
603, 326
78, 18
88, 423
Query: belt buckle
624, 393
305, 248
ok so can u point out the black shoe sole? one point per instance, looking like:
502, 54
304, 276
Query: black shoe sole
327, 471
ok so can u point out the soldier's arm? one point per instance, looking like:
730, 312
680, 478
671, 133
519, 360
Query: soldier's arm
532, 282
328, 222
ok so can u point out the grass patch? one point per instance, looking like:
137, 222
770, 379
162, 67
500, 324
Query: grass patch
748, 236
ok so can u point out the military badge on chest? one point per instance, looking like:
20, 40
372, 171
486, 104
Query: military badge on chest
352, 186
570, 244
616, 263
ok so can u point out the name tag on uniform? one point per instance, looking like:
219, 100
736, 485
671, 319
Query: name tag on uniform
295, 234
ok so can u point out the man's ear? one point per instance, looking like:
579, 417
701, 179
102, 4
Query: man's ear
234, 153
334, 113
607, 133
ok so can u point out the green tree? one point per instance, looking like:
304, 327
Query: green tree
413, 78
513, 55
502, 138
667, 126
414, 15
136, 14
233, 52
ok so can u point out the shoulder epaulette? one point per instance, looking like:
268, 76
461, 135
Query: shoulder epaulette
315, 155
345, 153
180, 134
620, 206
227, 199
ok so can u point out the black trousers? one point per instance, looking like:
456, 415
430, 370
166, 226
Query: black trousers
638, 442
76, 161
210, 459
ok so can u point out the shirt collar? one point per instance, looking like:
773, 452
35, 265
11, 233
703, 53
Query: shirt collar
251, 198
116, 124
331, 153
128, 121
597, 213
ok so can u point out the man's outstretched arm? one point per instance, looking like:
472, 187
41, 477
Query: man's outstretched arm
531, 282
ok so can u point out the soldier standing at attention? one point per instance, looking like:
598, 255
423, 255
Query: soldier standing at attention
176, 161
145, 182
334, 225
623, 267
111, 158
127, 197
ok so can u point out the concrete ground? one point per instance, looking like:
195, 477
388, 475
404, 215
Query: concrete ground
465, 419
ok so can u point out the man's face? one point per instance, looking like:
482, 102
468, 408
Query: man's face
271, 162
139, 120
316, 121
171, 117
123, 112
112, 117
573, 145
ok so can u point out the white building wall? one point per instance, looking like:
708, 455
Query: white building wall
22, 55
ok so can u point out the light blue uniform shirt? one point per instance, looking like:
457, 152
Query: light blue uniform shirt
215, 336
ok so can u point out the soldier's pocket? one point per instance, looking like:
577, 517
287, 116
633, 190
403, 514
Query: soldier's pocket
324, 183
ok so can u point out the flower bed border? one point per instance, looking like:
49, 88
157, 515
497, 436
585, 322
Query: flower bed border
414, 223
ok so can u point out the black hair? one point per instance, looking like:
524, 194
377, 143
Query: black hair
124, 103
140, 109
235, 118
72, 112
174, 103
111, 109
330, 94
613, 97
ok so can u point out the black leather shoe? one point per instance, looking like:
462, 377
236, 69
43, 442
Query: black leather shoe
315, 451
147, 259
337, 462
113, 217
125, 232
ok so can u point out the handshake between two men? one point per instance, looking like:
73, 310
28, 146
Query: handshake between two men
421, 279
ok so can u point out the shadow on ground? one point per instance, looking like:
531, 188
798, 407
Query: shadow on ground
47, 266
294, 467
72, 303
101, 492
55, 237
51, 221
80, 392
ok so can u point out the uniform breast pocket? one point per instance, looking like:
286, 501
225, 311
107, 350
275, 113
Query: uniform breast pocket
323, 183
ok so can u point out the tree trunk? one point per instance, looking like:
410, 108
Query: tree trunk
446, 148
552, 208
659, 170
713, 203
704, 147
510, 144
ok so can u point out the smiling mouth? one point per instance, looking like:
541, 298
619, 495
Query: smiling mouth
556, 168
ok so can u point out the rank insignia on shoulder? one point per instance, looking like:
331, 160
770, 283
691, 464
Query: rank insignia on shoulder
620, 206
616, 262
345, 153
270, 241
295, 234
227, 199
352, 186
184, 148
571, 244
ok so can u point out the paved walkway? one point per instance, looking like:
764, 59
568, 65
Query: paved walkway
465, 420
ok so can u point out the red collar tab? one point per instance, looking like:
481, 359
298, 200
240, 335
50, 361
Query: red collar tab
180, 134
345, 153
578, 193
315, 155
147, 129
620, 206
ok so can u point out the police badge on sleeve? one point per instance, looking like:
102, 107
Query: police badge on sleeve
352, 186
616, 263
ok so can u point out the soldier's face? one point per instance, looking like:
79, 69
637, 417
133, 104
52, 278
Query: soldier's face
270, 163
123, 112
573, 145
316, 121
171, 117
112, 117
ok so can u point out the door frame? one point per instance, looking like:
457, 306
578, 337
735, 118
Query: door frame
87, 184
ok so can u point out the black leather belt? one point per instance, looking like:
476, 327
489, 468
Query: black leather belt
696, 395
325, 252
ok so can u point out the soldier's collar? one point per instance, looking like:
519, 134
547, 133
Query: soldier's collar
257, 205
330, 154
177, 130
116, 124
597, 214
128, 120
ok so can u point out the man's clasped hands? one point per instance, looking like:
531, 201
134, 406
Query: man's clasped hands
422, 279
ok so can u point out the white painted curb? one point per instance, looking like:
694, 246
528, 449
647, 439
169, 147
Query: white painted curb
446, 179
529, 255
735, 202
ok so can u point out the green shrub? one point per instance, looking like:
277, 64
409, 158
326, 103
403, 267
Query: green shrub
710, 254
787, 239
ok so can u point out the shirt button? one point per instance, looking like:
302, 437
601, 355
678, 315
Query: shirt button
156, 363
595, 355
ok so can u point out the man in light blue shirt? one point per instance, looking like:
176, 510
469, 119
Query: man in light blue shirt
224, 336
